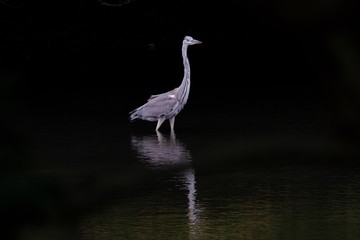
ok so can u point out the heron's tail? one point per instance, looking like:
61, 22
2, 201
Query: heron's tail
133, 115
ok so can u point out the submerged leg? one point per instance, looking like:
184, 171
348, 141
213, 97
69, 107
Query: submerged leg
172, 135
172, 121
160, 136
160, 121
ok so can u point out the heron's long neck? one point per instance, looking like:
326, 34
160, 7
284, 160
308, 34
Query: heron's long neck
184, 88
186, 63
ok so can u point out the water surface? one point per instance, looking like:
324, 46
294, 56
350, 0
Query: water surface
257, 175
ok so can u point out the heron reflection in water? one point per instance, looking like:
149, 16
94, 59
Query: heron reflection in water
162, 152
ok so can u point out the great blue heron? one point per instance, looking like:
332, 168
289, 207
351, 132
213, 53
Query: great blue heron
163, 106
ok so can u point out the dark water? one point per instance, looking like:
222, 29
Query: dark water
263, 174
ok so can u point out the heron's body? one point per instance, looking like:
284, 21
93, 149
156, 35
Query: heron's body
166, 106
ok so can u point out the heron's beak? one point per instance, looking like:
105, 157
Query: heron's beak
197, 42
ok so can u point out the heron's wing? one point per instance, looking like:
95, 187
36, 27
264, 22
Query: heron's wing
159, 101
158, 107
161, 95
162, 104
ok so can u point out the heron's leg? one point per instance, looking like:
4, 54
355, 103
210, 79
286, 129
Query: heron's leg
160, 121
160, 136
172, 135
172, 121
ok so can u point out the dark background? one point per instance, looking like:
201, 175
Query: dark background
65, 61
62, 55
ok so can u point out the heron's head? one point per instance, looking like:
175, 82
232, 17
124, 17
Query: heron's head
190, 41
